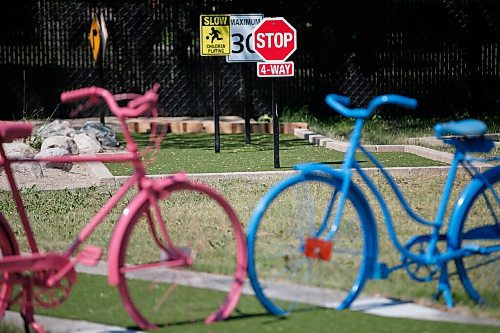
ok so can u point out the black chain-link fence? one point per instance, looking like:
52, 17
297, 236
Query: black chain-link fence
445, 53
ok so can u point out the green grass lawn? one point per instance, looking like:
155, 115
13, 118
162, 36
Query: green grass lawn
194, 153
93, 300
57, 217
9, 328
384, 128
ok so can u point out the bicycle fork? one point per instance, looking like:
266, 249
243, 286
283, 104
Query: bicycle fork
444, 287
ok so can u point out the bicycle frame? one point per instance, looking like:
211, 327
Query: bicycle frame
335, 223
39, 275
349, 163
132, 155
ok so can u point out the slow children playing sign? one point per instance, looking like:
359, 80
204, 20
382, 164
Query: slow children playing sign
215, 35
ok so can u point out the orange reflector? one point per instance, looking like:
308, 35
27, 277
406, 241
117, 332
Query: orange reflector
318, 249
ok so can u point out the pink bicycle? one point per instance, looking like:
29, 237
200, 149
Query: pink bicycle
174, 234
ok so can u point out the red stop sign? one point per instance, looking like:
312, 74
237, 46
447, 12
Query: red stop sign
275, 39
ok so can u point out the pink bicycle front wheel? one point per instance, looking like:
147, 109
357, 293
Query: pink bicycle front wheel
158, 286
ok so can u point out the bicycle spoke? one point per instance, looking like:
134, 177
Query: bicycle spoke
480, 272
204, 245
298, 212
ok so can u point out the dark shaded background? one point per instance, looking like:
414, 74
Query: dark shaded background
445, 53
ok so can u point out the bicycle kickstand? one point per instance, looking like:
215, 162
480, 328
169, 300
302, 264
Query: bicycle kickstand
444, 287
27, 309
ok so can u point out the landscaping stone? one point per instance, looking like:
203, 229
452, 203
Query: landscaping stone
261, 128
289, 128
59, 141
21, 150
187, 127
315, 138
105, 135
232, 128
228, 125
54, 152
135, 126
87, 144
57, 127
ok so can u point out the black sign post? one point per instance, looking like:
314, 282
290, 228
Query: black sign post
275, 40
98, 38
100, 73
242, 51
215, 40
276, 122
247, 105
215, 103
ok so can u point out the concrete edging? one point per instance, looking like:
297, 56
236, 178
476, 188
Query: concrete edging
341, 146
104, 177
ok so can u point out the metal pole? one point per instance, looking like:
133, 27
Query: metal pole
276, 123
246, 106
100, 73
215, 102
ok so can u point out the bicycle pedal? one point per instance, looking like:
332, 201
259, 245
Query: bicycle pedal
316, 248
90, 255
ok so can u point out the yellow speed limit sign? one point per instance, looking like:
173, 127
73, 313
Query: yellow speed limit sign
215, 35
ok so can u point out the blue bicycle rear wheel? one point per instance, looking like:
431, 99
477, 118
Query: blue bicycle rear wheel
282, 276
476, 223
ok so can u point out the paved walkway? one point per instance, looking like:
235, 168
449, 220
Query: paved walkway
379, 306
61, 325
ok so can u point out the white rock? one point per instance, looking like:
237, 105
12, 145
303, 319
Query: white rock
105, 135
57, 127
87, 144
54, 152
21, 150
59, 141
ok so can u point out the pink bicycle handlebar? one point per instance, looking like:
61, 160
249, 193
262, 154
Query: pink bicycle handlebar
146, 98
135, 107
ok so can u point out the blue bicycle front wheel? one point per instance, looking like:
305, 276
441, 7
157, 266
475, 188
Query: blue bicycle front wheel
476, 224
283, 277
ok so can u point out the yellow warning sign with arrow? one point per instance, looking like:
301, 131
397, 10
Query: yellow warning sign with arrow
215, 35
95, 38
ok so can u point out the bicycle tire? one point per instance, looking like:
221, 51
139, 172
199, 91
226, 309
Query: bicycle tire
223, 258
275, 250
479, 273
9, 247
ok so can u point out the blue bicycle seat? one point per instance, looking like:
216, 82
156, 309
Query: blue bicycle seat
467, 128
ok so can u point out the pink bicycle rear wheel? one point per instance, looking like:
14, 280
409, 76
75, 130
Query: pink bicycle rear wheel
8, 247
202, 227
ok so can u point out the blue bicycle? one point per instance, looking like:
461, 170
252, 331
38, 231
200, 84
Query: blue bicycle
313, 238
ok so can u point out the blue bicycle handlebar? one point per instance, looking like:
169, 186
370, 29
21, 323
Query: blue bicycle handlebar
340, 104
